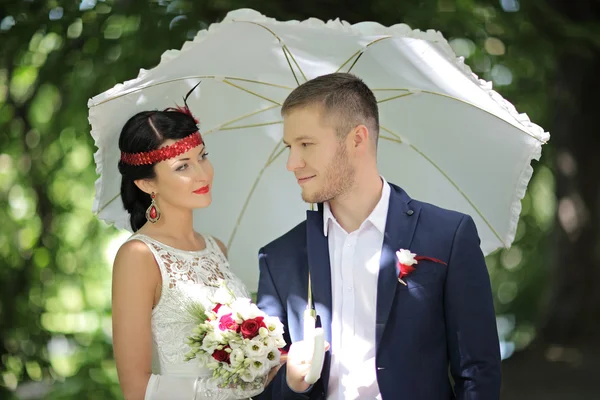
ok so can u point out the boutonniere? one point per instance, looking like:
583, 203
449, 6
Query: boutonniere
406, 260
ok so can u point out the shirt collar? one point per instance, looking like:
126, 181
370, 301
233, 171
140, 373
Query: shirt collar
378, 216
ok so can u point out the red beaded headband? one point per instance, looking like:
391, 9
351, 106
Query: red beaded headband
171, 151
164, 153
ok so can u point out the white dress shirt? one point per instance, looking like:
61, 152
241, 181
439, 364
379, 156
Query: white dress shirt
354, 261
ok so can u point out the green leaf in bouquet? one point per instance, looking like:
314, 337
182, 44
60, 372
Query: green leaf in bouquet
196, 311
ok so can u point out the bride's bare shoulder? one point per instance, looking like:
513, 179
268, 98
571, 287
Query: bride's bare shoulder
134, 253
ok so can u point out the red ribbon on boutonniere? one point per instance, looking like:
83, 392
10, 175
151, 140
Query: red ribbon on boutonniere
406, 260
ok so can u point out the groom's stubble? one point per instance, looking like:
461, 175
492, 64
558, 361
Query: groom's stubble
337, 179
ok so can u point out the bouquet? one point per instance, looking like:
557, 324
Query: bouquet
237, 341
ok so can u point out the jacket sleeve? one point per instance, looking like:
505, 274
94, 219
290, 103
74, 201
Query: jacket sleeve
471, 330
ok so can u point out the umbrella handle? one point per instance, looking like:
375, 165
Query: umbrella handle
316, 364
316, 337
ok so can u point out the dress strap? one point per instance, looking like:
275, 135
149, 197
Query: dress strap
157, 250
212, 245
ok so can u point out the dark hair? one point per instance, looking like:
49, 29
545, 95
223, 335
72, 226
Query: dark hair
343, 96
146, 131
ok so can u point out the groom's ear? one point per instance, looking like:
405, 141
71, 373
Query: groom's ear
360, 137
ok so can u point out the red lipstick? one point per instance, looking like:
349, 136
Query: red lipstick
202, 190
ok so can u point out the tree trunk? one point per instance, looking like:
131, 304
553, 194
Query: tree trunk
573, 310
563, 361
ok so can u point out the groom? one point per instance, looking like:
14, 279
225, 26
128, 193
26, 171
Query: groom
389, 339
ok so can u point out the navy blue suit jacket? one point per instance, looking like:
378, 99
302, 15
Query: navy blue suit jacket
441, 324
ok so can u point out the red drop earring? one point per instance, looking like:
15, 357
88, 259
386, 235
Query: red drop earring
152, 212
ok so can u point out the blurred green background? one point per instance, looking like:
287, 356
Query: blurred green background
55, 256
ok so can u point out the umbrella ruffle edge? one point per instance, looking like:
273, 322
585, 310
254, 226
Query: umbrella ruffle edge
122, 224
519, 194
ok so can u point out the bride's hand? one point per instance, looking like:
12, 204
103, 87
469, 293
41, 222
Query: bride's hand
274, 370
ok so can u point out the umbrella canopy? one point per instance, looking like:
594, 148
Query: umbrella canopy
446, 137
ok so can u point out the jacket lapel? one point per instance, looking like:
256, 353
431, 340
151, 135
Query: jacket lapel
399, 230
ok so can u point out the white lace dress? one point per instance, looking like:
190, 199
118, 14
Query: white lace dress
186, 275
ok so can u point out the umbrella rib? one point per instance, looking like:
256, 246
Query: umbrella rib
251, 92
284, 48
106, 205
394, 97
215, 77
349, 59
295, 62
355, 61
388, 90
245, 206
391, 133
461, 101
220, 127
272, 160
362, 51
260, 82
392, 139
463, 194
230, 128
290, 65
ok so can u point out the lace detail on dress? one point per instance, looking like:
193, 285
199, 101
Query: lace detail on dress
203, 268
187, 276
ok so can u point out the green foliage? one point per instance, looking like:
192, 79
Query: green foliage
55, 256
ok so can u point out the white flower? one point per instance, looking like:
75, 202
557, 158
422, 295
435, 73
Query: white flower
274, 342
405, 257
211, 315
223, 294
244, 309
271, 343
274, 326
258, 367
248, 375
236, 357
263, 332
237, 342
224, 310
273, 358
217, 333
255, 348
211, 341
239, 309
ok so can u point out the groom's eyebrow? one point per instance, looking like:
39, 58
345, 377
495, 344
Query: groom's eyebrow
298, 139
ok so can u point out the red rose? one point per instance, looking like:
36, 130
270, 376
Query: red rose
216, 308
221, 355
250, 327
227, 323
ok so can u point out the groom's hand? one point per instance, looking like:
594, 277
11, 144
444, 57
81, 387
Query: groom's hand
298, 365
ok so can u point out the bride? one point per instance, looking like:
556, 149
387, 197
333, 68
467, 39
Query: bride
165, 176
